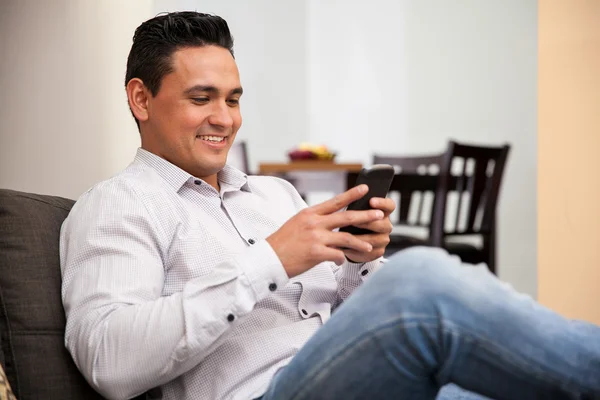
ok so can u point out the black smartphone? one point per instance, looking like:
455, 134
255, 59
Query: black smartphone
379, 178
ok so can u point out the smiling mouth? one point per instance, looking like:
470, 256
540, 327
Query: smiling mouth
212, 139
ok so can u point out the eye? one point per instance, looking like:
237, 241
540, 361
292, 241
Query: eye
200, 100
233, 102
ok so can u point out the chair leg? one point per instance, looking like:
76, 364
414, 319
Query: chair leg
490, 248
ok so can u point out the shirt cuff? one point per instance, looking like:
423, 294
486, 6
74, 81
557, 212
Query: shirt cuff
264, 270
364, 269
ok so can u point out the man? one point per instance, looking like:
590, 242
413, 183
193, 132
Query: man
185, 274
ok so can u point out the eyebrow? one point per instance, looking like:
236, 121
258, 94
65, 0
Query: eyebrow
211, 89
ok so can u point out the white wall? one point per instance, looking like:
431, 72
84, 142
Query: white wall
405, 76
357, 77
64, 122
270, 50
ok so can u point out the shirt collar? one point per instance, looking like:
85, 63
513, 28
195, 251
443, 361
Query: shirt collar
175, 177
233, 178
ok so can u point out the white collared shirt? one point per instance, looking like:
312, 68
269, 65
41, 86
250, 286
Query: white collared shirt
167, 282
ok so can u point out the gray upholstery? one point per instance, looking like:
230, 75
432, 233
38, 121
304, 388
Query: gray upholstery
32, 318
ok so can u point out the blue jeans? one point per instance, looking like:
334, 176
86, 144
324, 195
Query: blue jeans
425, 321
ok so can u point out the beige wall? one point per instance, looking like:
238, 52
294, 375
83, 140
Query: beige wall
64, 121
569, 157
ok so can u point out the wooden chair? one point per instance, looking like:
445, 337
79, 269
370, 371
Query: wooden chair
413, 189
475, 186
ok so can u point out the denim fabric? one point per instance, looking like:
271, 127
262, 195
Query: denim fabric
424, 321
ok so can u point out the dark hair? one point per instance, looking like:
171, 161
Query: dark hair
155, 41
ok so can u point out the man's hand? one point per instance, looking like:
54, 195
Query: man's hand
307, 238
380, 237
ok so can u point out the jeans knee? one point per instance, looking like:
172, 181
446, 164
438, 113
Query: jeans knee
422, 272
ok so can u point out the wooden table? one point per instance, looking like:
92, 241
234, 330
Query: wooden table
313, 176
308, 165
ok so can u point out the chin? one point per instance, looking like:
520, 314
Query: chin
204, 168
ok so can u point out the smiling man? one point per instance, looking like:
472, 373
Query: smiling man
183, 275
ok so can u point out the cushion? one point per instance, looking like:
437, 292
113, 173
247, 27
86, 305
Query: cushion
32, 318
400, 242
467, 252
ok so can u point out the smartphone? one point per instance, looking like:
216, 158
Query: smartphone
379, 178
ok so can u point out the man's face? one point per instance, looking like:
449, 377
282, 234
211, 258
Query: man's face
194, 117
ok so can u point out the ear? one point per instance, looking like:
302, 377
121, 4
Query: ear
137, 96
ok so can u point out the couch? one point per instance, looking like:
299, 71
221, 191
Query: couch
32, 318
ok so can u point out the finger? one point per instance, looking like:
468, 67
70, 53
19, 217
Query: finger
355, 256
341, 200
347, 241
364, 257
381, 226
386, 205
377, 240
347, 218
335, 255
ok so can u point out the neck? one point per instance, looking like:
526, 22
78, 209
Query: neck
212, 181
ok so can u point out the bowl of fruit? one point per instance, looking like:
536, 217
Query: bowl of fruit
311, 152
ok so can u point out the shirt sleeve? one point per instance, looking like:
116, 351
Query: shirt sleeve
351, 275
123, 334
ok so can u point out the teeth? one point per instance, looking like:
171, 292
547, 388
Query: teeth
215, 139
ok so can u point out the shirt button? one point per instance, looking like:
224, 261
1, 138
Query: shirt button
273, 287
364, 272
304, 312
251, 241
230, 318
198, 182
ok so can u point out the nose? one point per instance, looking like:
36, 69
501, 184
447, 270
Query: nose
220, 115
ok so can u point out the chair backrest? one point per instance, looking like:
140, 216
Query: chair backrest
470, 174
473, 174
414, 187
238, 156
